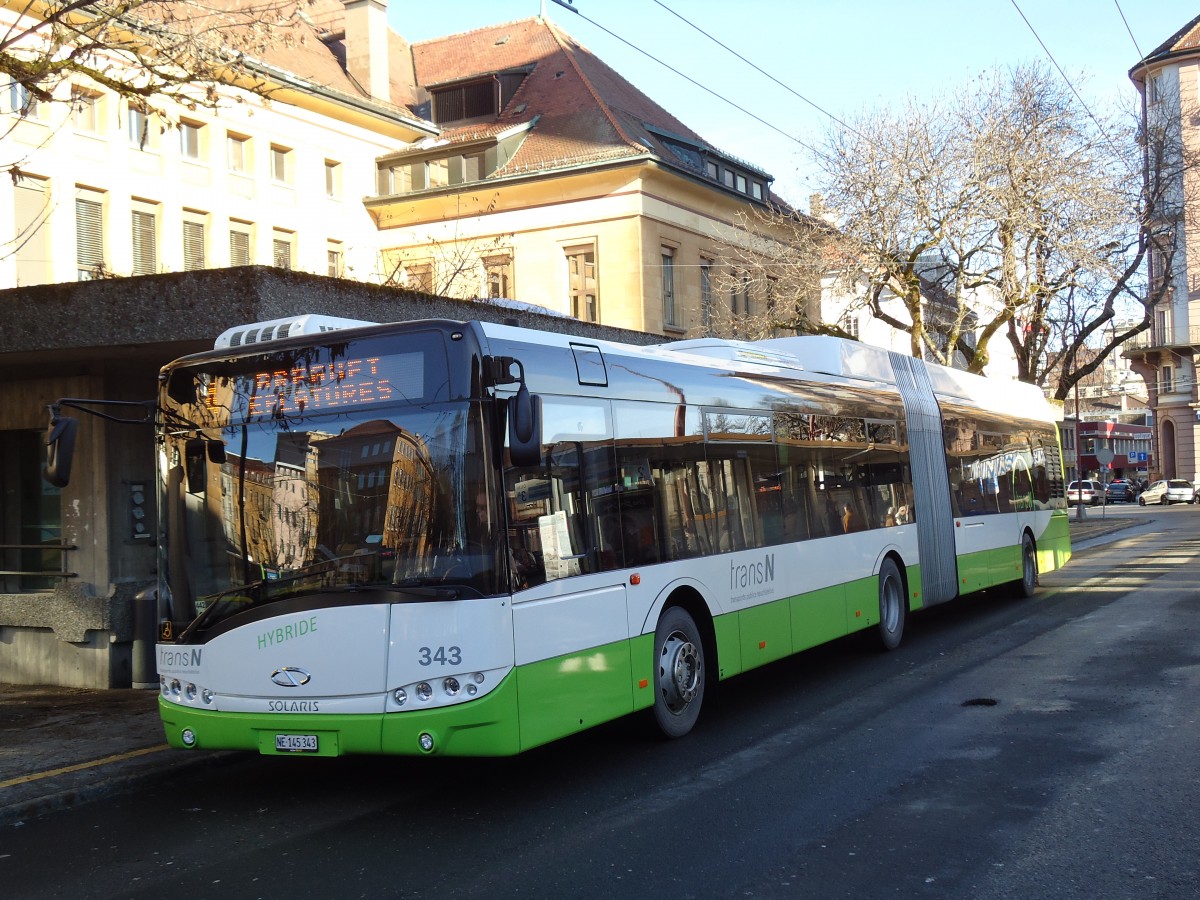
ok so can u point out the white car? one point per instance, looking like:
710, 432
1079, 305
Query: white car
1173, 490
1088, 493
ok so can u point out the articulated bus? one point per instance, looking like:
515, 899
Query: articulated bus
459, 538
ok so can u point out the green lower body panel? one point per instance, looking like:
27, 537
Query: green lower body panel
1054, 544
484, 727
566, 694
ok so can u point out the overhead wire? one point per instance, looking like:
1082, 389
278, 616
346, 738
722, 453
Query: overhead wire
1129, 30
755, 66
689, 79
1103, 131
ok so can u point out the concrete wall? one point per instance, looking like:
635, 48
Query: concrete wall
107, 340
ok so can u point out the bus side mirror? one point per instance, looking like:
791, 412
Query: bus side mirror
60, 449
525, 428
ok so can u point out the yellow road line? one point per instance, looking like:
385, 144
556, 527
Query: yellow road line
50, 773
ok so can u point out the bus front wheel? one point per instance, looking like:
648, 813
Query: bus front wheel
678, 673
893, 609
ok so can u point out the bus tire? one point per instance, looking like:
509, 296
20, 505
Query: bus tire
678, 673
1026, 585
893, 606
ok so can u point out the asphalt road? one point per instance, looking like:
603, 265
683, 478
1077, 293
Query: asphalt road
1008, 749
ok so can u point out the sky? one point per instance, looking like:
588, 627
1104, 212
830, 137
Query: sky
841, 56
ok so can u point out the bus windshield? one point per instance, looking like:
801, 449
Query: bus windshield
323, 501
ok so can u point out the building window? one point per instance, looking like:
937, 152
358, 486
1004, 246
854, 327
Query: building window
333, 179
85, 111
498, 270
668, 286
706, 294
194, 256
467, 101
397, 179
333, 256
739, 294
418, 276
138, 126
712, 170
849, 323
281, 164
437, 173
237, 153
145, 238
239, 243
756, 190
20, 101
741, 184
31, 209
283, 249
189, 140
730, 178
582, 289
32, 512
1168, 379
89, 234
1155, 87
472, 168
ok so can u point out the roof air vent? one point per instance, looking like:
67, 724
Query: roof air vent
258, 332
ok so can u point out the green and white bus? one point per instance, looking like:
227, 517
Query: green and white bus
459, 538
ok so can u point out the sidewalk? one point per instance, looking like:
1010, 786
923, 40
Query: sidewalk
63, 746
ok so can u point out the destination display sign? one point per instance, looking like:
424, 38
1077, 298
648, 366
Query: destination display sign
314, 386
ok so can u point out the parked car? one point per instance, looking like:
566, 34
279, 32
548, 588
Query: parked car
1086, 492
1120, 489
1172, 490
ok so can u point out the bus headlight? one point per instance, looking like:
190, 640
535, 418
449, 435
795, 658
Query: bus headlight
443, 690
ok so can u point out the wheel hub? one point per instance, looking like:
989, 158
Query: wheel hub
678, 672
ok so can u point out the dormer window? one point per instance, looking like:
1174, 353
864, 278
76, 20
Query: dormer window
465, 101
482, 98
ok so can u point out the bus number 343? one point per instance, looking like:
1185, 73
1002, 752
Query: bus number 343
442, 656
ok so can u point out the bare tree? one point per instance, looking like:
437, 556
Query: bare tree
1005, 209
771, 275
156, 53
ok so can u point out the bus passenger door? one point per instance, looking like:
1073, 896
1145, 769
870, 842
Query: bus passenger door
570, 620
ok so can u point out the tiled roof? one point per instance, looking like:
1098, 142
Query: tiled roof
586, 112
309, 46
1186, 38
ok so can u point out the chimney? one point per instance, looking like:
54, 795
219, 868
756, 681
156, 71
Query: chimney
367, 46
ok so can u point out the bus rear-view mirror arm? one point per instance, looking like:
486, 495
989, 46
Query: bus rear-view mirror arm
60, 433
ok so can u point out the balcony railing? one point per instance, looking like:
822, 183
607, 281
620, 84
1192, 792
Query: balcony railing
1165, 337
7, 551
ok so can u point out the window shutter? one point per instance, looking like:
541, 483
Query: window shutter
89, 236
283, 254
193, 246
239, 248
145, 249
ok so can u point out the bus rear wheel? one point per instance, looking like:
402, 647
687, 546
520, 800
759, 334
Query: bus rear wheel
678, 673
1027, 584
893, 609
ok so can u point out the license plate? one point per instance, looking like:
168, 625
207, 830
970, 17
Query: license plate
296, 743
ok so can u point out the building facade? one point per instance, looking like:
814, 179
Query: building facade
1168, 79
